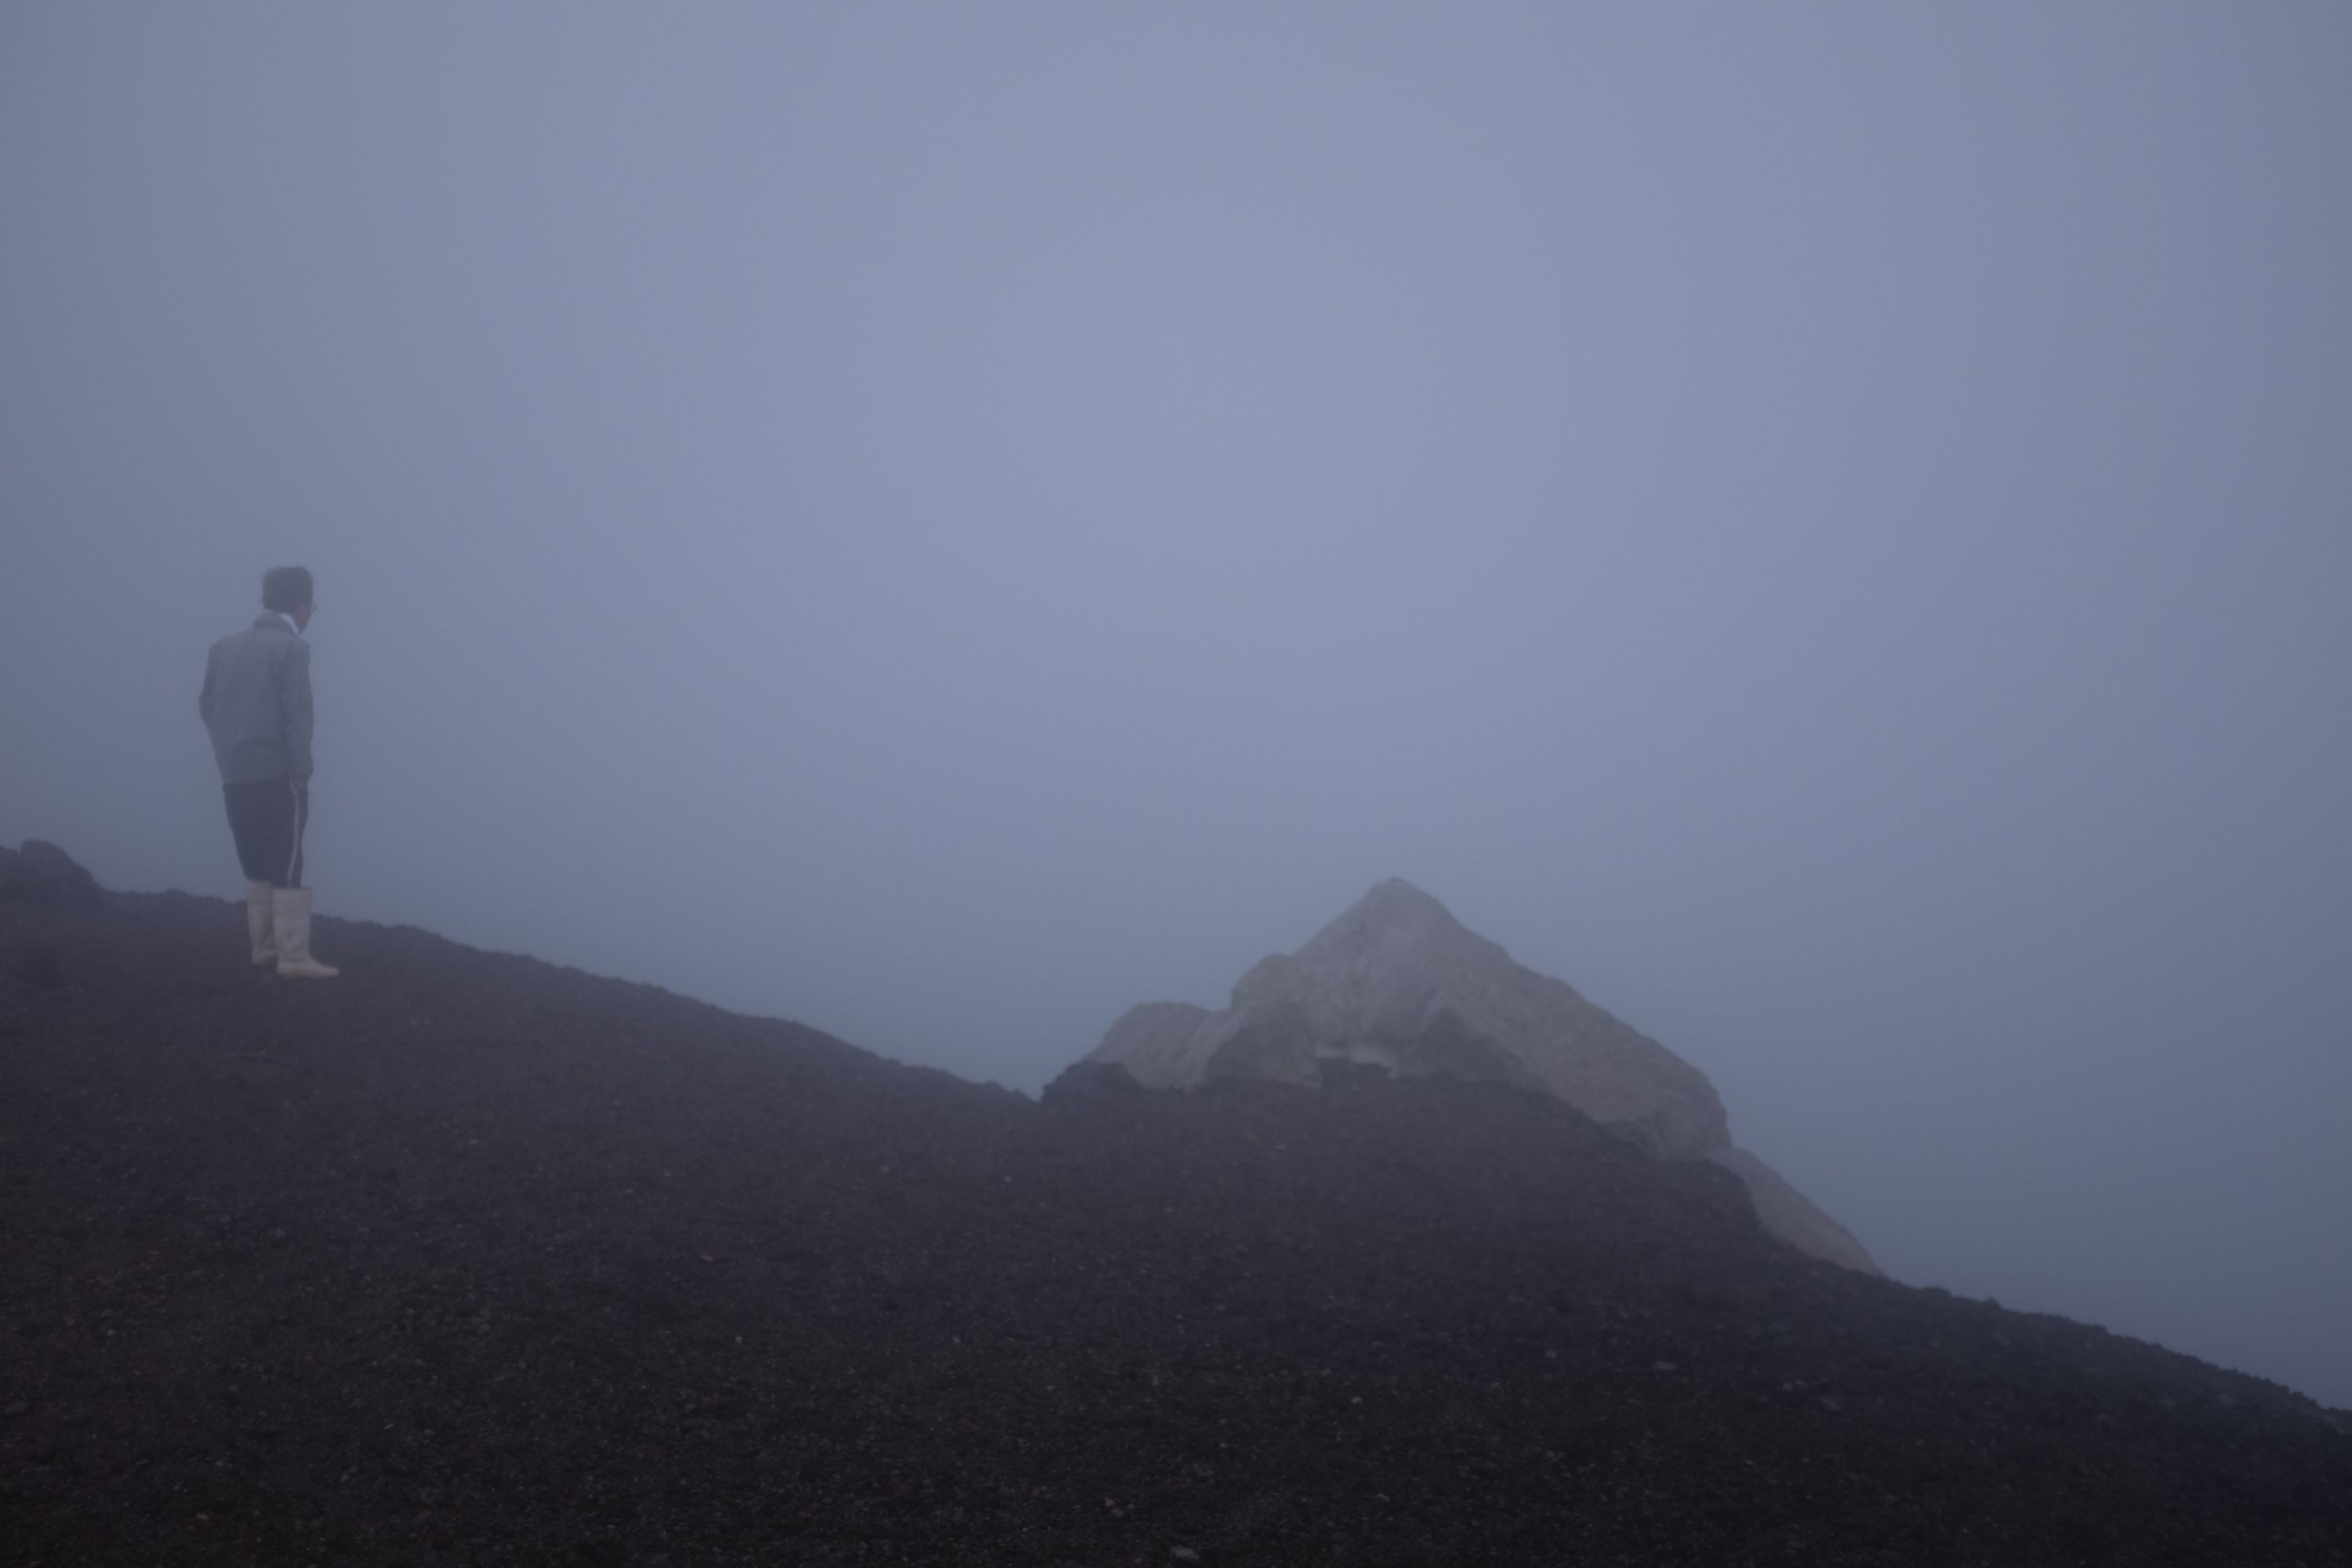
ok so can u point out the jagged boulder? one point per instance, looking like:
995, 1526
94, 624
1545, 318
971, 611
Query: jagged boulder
41, 873
1398, 985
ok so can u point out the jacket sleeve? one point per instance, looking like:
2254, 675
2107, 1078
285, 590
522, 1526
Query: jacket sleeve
294, 696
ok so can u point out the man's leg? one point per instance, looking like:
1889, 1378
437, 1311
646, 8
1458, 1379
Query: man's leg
261, 921
289, 903
258, 821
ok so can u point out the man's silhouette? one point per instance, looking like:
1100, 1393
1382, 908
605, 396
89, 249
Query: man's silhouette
256, 706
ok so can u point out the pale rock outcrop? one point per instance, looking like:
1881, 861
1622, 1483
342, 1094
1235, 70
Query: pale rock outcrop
1397, 983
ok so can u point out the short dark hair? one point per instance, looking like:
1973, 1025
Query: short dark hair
285, 589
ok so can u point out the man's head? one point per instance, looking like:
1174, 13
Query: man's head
287, 591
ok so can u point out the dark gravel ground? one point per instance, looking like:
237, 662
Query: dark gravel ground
464, 1259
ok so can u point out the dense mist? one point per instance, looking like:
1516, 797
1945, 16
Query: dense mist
1825, 528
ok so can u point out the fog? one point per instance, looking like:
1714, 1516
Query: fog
1824, 526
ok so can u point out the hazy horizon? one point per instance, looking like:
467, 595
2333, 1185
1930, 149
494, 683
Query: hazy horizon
1830, 531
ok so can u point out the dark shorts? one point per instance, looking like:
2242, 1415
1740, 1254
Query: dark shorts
267, 818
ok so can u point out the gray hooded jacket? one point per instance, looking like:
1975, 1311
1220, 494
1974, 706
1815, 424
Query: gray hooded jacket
257, 702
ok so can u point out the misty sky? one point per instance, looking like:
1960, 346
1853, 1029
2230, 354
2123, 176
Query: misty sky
1828, 527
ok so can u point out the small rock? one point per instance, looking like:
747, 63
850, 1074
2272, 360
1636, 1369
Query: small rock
41, 873
1662, 1366
15, 1407
1184, 1555
1086, 1080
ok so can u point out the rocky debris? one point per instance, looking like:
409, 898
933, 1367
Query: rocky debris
470, 1258
39, 966
1398, 985
41, 873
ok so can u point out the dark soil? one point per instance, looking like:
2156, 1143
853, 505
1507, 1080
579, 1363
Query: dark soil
464, 1259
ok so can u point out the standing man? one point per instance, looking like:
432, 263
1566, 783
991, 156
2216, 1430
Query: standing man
256, 706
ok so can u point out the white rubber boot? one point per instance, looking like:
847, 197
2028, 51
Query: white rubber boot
290, 911
261, 922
